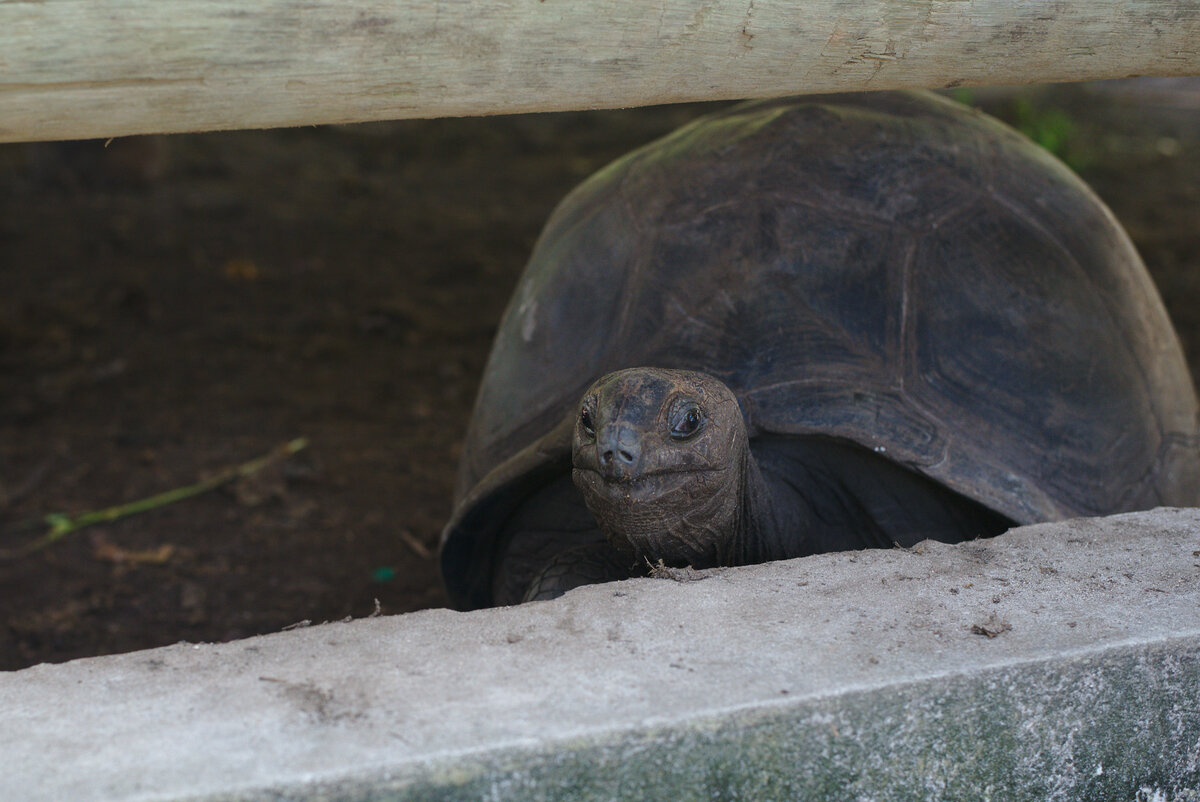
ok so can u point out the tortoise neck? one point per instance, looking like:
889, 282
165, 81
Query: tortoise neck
765, 523
754, 511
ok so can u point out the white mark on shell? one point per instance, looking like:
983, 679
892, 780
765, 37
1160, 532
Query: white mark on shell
528, 313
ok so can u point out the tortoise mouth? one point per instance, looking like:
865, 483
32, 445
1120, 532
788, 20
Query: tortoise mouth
639, 488
678, 516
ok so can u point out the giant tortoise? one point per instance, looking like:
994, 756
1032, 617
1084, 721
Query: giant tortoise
815, 324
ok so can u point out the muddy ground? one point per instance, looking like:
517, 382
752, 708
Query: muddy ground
173, 307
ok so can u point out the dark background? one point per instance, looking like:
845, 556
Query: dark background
174, 306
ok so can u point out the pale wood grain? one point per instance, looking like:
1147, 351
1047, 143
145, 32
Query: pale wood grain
99, 68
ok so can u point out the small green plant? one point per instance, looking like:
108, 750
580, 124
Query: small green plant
1049, 127
964, 96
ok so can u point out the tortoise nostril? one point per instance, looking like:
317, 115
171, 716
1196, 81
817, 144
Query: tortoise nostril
618, 451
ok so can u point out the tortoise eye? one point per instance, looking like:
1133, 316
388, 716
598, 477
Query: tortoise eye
686, 419
587, 422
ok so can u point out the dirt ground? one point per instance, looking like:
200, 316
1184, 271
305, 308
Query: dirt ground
172, 307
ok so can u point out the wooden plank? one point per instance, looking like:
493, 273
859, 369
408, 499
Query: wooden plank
100, 68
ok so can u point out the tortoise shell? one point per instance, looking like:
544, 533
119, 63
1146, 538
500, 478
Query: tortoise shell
893, 269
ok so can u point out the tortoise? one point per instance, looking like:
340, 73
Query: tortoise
815, 324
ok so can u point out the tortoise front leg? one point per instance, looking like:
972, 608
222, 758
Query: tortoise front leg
582, 565
550, 544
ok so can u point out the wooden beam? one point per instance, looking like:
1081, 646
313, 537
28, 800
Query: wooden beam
101, 68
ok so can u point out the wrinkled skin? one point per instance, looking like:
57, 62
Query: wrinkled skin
667, 472
660, 457
663, 469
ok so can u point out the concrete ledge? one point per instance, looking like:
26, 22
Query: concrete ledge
1056, 662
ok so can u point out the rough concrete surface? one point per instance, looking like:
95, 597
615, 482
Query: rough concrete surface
1059, 661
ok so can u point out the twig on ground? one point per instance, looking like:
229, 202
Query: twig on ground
661, 570
62, 525
420, 548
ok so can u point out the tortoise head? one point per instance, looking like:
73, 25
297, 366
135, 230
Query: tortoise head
659, 456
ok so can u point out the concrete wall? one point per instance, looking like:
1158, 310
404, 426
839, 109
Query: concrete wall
1056, 662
